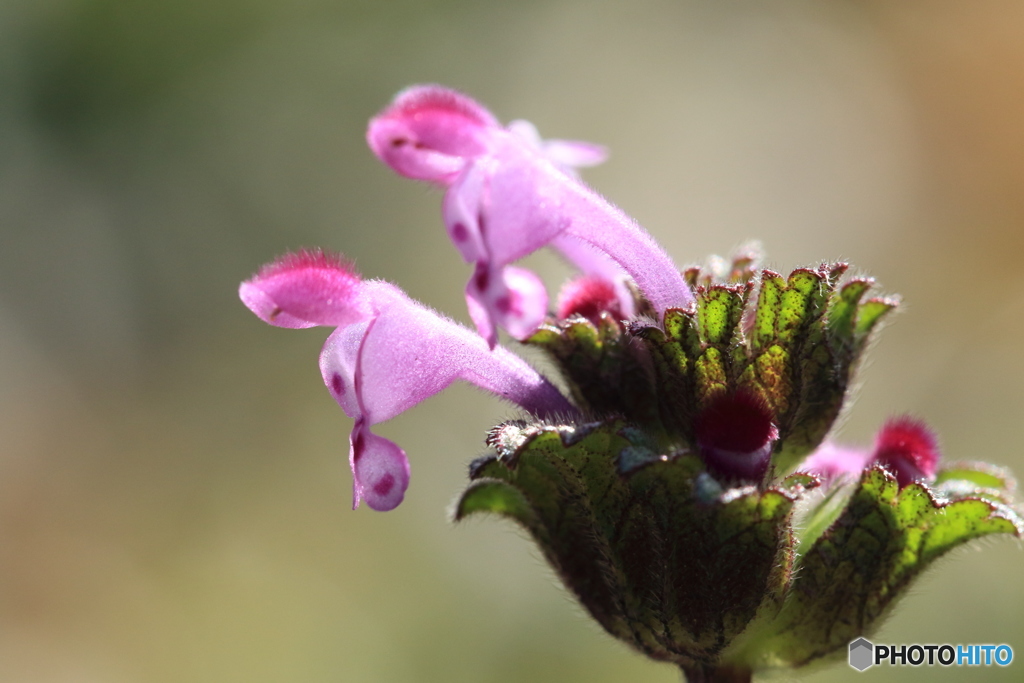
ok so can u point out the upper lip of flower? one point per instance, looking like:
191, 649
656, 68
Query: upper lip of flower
429, 132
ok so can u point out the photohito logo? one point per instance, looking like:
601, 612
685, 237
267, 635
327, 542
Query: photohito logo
864, 654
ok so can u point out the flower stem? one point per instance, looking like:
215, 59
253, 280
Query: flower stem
716, 674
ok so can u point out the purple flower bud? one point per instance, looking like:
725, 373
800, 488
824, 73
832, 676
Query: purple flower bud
908, 448
597, 267
388, 354
588, 297
735, 432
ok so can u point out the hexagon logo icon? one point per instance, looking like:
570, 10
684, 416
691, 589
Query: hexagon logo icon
862, 654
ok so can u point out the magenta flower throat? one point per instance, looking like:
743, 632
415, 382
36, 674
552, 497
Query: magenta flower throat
685, 490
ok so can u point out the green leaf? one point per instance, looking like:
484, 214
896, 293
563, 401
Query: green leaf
658, 552
799, 482
833, 272
818, 400
965, 520
677, 321
795, 309
871, 311
718, 310
979, 474
497, 497
546, 335
704, 566
606, 372
583, 335
854, 572
769, 302
710, 373
976, 479
673, 352
822, 515
773, 375
843, 312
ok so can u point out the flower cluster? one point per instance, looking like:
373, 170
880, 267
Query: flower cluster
387, 354
509, 194
664, 488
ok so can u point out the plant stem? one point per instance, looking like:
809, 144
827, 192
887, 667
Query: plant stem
716, 674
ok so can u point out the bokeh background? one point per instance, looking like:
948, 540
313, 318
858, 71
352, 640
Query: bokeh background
174, 491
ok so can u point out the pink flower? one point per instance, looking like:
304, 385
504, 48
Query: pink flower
388, 354
509, 194
905, 446
834, 462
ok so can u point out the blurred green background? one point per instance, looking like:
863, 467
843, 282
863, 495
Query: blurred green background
174, 487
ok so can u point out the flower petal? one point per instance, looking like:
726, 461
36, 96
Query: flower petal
380, 470
574, 153
409, 353
479, 312
406, 353
463, 217
429, 132
339, 363
511, 193
305, 289
513, 298
566, 154
524, 202
833, 461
